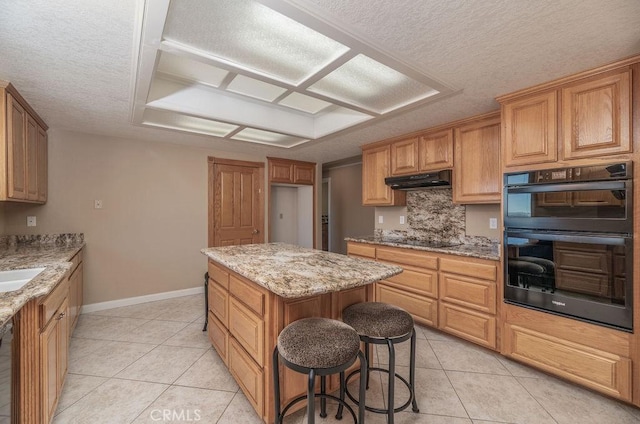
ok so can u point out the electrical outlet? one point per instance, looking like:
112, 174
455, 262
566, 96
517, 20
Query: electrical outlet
380, 219
401, 219
31, 221
97, 204
493, 223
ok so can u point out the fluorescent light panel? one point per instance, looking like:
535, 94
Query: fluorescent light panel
254, 88
190, 69
304, 103
172, 120
267, 137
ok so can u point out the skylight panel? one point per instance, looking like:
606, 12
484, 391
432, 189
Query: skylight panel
254, 88
304, 103
253, 36
267, 137
368, 83
193, 70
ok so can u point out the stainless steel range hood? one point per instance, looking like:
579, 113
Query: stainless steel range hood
435, 179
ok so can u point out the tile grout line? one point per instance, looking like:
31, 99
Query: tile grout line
536, 399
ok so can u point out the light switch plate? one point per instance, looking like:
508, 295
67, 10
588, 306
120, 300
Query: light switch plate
401, 219
31, 221
380, 219
493, 223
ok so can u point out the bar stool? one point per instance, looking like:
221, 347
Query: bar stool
384, 324
318, 347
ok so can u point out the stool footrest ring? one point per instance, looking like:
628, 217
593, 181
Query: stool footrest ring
378, 410
319, 395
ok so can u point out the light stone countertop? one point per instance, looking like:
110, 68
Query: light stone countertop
54, 257
491, 252
292, 271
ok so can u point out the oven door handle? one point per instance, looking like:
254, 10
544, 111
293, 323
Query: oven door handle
545, 188
617, 240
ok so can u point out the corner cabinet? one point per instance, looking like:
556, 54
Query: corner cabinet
23, 149
583, 116
477, 177
376, 166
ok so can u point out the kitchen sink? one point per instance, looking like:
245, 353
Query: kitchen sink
16, 279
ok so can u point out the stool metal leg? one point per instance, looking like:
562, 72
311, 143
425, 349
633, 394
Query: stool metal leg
366, 356
276, 386
392, 381
323, 400
341, 406
412, 372
364, 366
311, 399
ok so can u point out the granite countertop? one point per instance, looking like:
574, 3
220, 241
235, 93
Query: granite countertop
292, 271
491, 252
54, 257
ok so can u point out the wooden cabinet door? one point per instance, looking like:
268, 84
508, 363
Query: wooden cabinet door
476, 178
16, 150
530, 130
376, 163
304, 174
49, 369
596, 116
32, 158
43, 168
435, 151
404, 157
281, 172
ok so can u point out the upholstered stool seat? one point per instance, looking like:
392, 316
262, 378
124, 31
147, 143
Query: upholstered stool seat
318, 347
382, 323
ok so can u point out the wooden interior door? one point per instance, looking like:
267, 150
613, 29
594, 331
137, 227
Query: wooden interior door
236, 202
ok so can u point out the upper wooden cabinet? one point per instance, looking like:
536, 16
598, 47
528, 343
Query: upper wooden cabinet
376, 166
291, 171
587, 115
436, 151
23, 149
530, 130
476, 178
596, 116
426, 152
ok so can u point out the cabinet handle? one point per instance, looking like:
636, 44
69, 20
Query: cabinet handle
62, 314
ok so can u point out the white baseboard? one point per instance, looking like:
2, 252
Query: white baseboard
101, 306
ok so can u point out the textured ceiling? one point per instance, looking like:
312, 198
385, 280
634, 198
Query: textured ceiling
73, 61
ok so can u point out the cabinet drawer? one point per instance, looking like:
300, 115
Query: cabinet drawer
247, 328
486, 271
50, 304
469, 292
249, 295
404, 257
467, 324
218, 275
423, 309
422, 281
364, 250
75, 261
249, 376
219, 337
219, 303
602, 371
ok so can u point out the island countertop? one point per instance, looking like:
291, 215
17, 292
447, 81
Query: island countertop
292, 271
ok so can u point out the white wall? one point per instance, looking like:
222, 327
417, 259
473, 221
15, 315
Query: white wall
284, 214
305, 216
148, 236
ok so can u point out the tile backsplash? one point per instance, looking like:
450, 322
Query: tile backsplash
432, 216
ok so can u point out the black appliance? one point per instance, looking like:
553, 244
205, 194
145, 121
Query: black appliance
435, 179
568, 243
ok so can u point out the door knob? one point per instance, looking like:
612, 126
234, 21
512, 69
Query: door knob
256, 231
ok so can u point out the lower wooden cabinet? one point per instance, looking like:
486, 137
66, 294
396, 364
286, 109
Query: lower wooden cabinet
54, 343
248, 374
76, 291
468, 324
423, 309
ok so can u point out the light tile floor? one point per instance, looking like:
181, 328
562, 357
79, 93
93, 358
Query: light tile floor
152, 363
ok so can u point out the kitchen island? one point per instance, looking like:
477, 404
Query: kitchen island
256, 290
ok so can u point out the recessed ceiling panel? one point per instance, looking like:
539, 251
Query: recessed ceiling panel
267, 137
192, 70
253, 36
172, 120
365, 82
255, 88
304, 103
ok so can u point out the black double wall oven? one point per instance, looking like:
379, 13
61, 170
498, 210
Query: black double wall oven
568, 242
